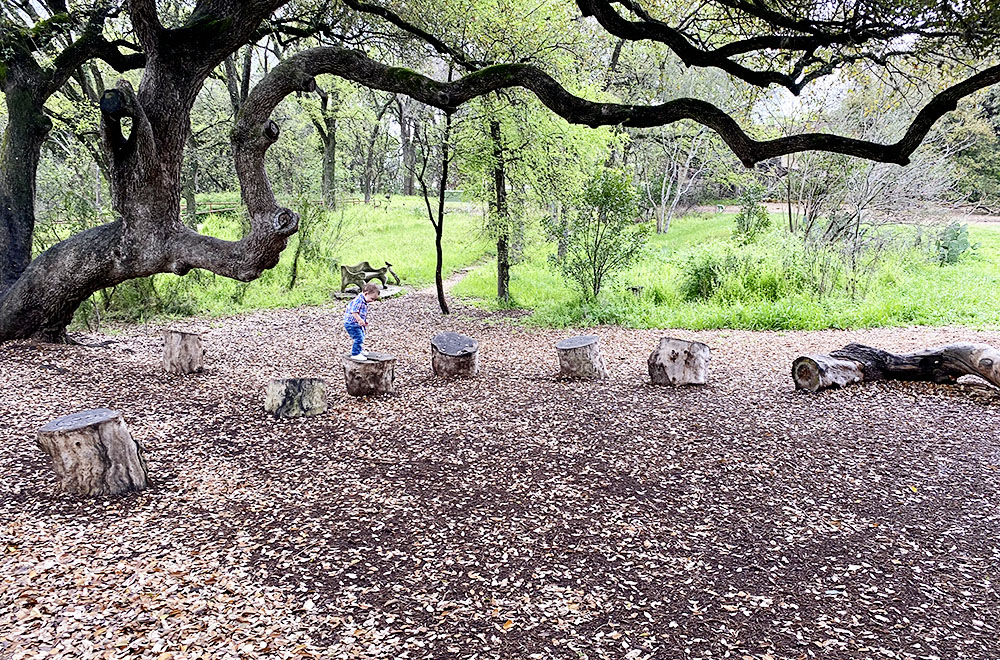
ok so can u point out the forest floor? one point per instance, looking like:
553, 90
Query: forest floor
509, 516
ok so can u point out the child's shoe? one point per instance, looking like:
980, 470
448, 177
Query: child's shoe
360, 357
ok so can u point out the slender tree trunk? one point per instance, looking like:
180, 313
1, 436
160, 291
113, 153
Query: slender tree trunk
500, 213
330, 164
439, 228
407, 145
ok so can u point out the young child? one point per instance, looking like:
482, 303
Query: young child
356, 319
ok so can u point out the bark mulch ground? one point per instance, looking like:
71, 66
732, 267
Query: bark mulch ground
510, 516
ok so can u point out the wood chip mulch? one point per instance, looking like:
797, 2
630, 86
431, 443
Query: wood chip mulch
509, 516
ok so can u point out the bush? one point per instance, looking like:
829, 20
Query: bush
604, 238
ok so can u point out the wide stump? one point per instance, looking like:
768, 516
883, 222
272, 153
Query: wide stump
372, 377
679, 362
454, 355
296, 397
580, 358
183, 352
93, 453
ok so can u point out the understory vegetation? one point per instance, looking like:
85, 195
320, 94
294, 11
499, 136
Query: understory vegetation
700, 275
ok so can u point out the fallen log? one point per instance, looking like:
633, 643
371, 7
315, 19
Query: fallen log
856, 363
93, 453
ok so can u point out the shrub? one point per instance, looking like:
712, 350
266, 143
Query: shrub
753, 218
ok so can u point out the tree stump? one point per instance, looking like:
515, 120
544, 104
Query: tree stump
679, 362
93, 453
296, 397
373, 376
856, 362
580, 357
454, 355
183, 352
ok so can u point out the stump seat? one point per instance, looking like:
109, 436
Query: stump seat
183, 352
93, 453
679, 362
296, 397
371, 377
454, 355
580, 358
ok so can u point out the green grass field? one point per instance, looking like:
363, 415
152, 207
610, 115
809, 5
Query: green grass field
905, 288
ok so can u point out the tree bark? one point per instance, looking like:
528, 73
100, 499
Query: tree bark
580, 358
439, 227
856, 363
93, 453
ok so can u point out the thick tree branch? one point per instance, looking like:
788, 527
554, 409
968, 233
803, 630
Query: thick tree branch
352, 65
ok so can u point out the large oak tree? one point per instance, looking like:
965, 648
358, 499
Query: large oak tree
766, 44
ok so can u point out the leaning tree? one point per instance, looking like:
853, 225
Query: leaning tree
788, 44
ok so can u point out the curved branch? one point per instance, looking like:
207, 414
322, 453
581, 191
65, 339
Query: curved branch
288, 77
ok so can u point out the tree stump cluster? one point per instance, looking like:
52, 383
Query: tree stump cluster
183, 352
93, 453
296, 397
580, 358
454, 355
856, 362
370, 377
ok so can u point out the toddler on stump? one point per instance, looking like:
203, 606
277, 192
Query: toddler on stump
356, 319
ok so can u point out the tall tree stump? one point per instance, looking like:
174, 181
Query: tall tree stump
856, 362
183, 352
296, 397
454, 355
679, 362
580, 358
93, 453
371, 377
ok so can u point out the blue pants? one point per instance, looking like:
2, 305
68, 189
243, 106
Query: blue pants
357, 333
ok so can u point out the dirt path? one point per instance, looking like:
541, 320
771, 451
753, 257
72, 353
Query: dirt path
511, 516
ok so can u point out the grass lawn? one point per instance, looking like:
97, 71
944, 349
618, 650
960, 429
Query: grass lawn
772, 289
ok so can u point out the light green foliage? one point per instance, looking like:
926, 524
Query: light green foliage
604, 237
952, 242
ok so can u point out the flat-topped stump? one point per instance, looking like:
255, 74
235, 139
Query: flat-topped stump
296, 397
370, 377
679, 362
580, 358
183, 352
454, 355
93, 453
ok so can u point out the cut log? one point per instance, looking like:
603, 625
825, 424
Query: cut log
580, 358
454, 355
296, 397
183, 352
93, 453
372, 377
679, 362
855, 363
